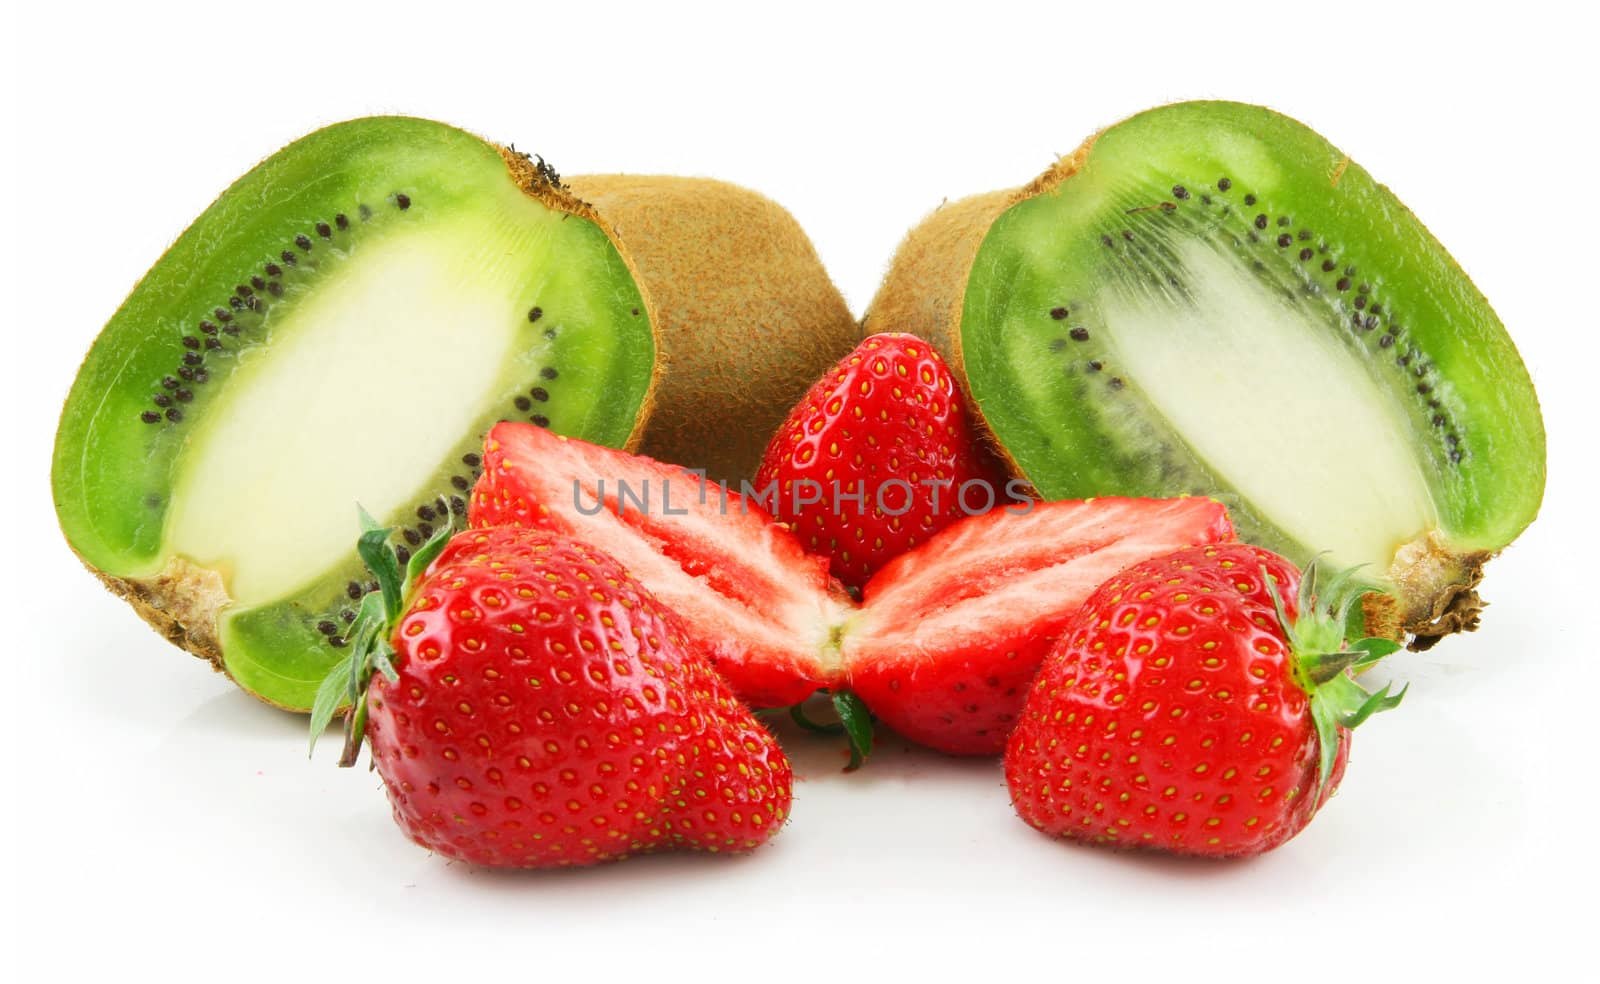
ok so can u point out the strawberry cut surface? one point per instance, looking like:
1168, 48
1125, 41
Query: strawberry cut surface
947, 637
750, 599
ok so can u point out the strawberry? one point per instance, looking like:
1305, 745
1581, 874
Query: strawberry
1199, 703
877, 457
541, 710
947, 637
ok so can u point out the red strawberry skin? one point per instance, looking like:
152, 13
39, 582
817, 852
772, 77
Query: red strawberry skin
951, 635
889, 412
547, 714
1169, 716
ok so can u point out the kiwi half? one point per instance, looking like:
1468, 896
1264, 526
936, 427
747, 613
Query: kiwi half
1210, 298
345, 323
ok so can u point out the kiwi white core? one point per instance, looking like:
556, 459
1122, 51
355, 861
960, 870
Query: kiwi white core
385, 347
1325, 454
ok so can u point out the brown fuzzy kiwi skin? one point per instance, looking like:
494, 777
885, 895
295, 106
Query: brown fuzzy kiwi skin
181, 603
1442, 585
746, 319
744, 315
926, 286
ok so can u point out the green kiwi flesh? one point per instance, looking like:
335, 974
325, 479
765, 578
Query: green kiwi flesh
1218, 301
340, 327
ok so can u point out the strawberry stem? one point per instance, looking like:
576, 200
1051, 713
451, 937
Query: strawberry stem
346, 683
857, 721
797, 714
1324, 663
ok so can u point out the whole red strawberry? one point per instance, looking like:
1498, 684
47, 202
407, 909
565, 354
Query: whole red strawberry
1199, 703
543, 711
878, 456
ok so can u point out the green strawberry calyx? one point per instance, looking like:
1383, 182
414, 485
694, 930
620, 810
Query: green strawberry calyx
370, 649
855, 722
1325, 667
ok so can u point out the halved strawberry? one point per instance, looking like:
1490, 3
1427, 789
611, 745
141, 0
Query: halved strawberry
946, 638
950, 635
758, 606
877, 457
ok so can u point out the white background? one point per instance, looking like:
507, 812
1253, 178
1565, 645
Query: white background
158, 818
